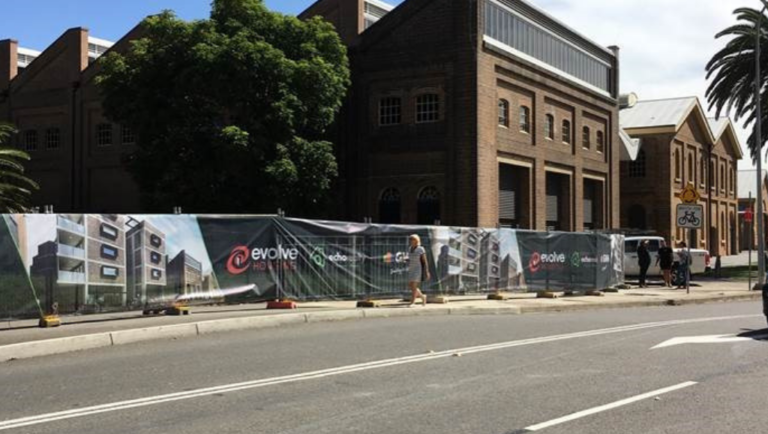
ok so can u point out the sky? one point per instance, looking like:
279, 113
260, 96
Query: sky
665, 44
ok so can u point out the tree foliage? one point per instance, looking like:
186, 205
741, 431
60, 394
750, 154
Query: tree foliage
732, 72
231, 112
15, 187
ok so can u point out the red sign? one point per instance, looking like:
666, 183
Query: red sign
748, 215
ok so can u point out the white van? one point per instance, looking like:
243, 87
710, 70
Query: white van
700, 258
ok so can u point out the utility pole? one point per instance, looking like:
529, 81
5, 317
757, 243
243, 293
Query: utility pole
759, 145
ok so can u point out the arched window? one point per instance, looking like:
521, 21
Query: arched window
428, 206
504, 113
677, 164
586, 138
549, 127
525, 119
702, 171
637, 167
600, 142
733, 183
636, 217
712, 176
389, 206
722, 178
566, 131
690, 171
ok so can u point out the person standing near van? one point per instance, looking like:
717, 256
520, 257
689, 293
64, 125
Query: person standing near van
684, 262
644, 261
418, 271
665, 260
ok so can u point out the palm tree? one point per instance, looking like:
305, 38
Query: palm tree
732, 70
15, 188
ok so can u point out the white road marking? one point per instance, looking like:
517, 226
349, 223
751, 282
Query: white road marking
607, 407
711, 339
207, 391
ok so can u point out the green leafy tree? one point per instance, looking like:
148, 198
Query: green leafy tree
732, 72
15, 187
231, 112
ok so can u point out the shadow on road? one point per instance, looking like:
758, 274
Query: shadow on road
758, 335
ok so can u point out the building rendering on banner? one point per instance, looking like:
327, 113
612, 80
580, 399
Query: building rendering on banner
146, 263
680, 146
86, 261
185, 274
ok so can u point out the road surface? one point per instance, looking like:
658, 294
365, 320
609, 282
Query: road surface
587, 372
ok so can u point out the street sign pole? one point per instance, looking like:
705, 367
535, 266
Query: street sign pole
689, 263
751, 237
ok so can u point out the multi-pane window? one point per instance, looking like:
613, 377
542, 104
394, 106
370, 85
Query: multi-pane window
637, 167
30, 140
390, 111
52, 138
586, 138
127, 136
503, 113
600, 141
504, 24
566, 131
427, 108
104, 134
525, 119
549, 127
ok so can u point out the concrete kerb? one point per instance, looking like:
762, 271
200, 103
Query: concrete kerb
85, 342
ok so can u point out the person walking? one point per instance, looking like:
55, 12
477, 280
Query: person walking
664, 260
684, 262
418, 271
644, 261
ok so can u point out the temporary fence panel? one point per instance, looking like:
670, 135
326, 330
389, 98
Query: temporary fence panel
104, 262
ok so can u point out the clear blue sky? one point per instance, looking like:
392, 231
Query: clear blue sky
37, 23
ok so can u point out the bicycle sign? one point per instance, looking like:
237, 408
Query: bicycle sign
689, 216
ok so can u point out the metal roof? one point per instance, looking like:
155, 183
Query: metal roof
748, 183
630, 148
657, 113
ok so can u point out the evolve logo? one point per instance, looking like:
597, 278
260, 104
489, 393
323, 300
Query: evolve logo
241, 259
539, 261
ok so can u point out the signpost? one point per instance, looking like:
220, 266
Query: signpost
748, 219
690, 215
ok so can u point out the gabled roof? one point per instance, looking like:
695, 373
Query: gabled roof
630, 147
723, 126
747, 182
668, 115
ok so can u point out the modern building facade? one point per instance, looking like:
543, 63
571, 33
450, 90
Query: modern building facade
185, 274
680, 146
147, 260
85, 263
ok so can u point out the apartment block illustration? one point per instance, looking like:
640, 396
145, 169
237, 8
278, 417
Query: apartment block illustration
146, 263
185, 274
464, 259
85, 263
490, 261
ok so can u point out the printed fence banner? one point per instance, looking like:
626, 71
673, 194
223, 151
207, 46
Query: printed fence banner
90, 263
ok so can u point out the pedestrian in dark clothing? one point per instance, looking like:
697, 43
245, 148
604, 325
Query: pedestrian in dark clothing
644, 261
665, 260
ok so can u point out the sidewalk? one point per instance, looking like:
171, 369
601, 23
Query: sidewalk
21, 339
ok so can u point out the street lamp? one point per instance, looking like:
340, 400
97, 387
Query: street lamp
759, 142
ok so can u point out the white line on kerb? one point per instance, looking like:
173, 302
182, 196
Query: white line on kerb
312, 375
606, 407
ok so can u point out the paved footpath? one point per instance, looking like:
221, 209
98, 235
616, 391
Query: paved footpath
22, 339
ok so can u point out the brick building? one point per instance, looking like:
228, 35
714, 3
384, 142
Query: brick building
681, 146
476, 113
77, 154
470, 112
747, 194
185, 274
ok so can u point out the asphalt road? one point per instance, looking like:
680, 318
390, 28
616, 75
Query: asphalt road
588, 372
